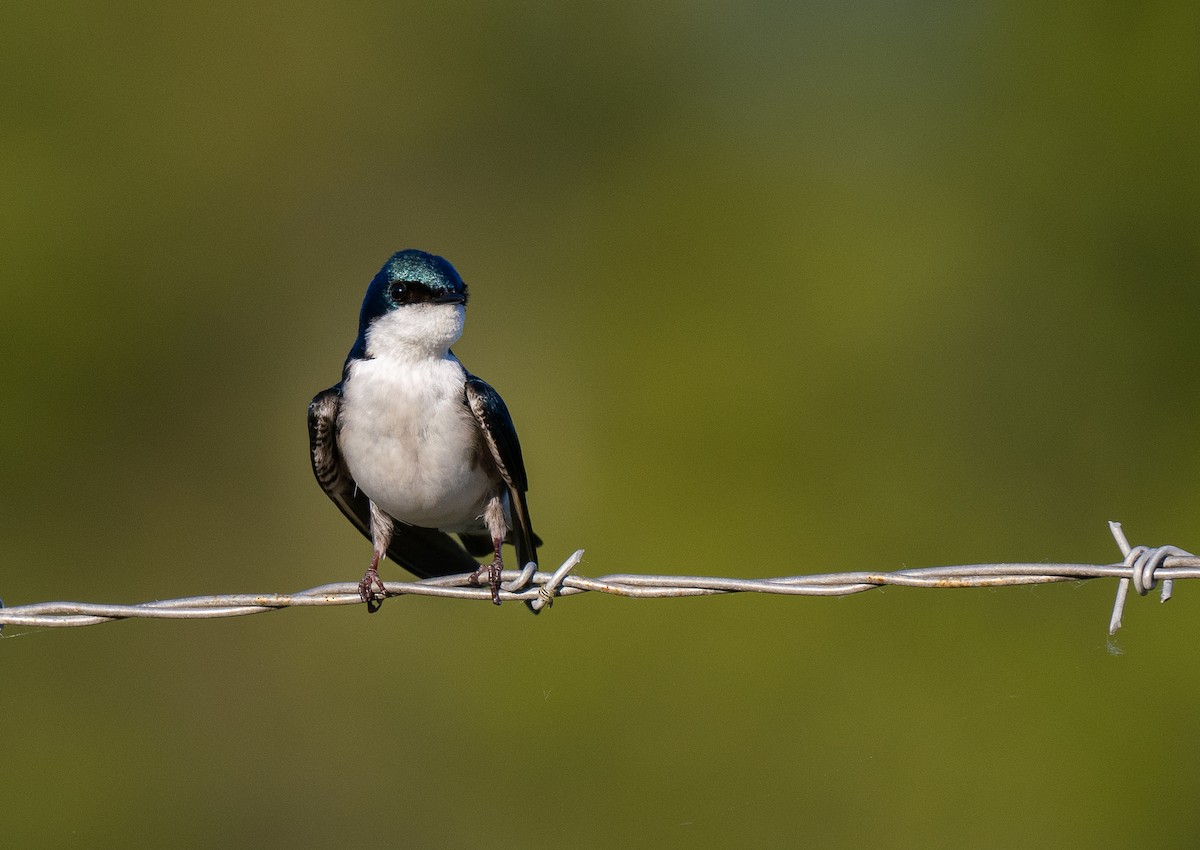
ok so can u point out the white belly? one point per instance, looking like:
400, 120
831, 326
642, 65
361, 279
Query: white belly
412, 445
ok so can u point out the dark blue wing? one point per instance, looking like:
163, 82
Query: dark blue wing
425, 552
500, 437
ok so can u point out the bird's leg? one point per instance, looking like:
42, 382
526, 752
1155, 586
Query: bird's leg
493, 570
493, 517
370, 588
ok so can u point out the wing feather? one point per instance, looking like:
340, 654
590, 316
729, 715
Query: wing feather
500, 436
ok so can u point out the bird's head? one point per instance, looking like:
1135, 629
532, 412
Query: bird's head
415, 306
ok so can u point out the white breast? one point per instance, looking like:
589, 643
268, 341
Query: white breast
411, 444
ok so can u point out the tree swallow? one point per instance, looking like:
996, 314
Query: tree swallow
410, 445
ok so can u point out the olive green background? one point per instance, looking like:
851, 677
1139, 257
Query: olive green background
769, 288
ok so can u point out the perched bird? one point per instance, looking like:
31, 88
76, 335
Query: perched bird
410, 445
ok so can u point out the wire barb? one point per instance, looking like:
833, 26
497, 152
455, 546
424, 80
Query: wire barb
1143, 567
547, 592
1143, 563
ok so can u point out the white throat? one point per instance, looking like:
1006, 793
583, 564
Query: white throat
416, 331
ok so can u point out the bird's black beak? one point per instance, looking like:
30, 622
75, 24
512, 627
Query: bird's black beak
452, 297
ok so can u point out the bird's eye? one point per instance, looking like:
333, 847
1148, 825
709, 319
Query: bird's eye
399, 292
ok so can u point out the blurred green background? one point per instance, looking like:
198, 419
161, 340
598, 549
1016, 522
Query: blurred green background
770, 288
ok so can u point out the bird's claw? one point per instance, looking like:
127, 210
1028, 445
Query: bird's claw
371, 590
493, 578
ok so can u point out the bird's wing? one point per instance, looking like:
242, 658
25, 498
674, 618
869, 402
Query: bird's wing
425, 552
501, 438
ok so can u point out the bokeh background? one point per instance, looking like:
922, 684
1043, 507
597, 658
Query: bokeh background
770, 288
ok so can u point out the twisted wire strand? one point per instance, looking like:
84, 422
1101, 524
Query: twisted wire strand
1143, 567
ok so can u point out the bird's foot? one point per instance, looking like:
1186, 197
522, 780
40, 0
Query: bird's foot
493, 578
371, 590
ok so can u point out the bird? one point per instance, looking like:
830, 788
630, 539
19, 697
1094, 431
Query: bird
411, 446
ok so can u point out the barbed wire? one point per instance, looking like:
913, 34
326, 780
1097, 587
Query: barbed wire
1143, 567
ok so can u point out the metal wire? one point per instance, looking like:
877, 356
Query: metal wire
1143, 566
